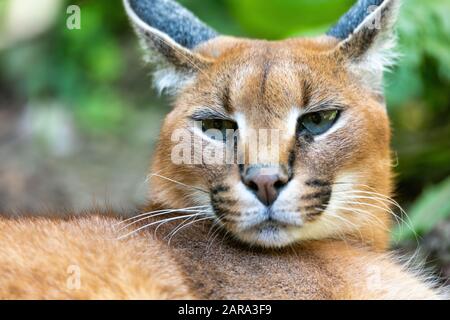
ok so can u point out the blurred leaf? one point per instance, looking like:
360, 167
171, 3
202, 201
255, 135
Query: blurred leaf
276, 19
216, 13
432, 207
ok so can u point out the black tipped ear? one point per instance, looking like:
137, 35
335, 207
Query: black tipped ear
168, 32
367, 39
172, 19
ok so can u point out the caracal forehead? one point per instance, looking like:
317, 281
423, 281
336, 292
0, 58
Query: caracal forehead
270, 80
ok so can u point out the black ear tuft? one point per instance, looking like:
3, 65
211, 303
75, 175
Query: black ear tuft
353, 18
174, 20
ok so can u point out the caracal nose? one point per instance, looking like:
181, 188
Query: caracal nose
265, 183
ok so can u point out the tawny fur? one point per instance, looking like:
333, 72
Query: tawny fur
37, 254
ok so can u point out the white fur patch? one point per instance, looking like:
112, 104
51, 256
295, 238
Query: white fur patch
291, 123
171, 81
380, 58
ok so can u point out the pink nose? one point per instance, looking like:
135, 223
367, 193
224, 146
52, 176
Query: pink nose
266, 186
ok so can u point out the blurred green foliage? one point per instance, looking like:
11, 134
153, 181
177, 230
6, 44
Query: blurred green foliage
418, 96
274, 19
95, 72
430, 209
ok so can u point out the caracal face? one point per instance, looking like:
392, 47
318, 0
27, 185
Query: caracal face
279, 141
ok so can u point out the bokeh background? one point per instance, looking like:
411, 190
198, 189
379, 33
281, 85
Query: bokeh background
78, 118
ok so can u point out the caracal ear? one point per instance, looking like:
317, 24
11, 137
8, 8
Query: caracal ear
367, 39
168, 33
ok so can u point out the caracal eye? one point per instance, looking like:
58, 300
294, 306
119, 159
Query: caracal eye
218, 124
316, 123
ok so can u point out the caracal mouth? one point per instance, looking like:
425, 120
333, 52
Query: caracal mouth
270, 234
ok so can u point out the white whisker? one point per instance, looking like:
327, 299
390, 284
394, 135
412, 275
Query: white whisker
406, 222
177, 182
360, 211
210, 240
179, 228
378, 199
202, 212
157, 215
157, 222
157, 211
